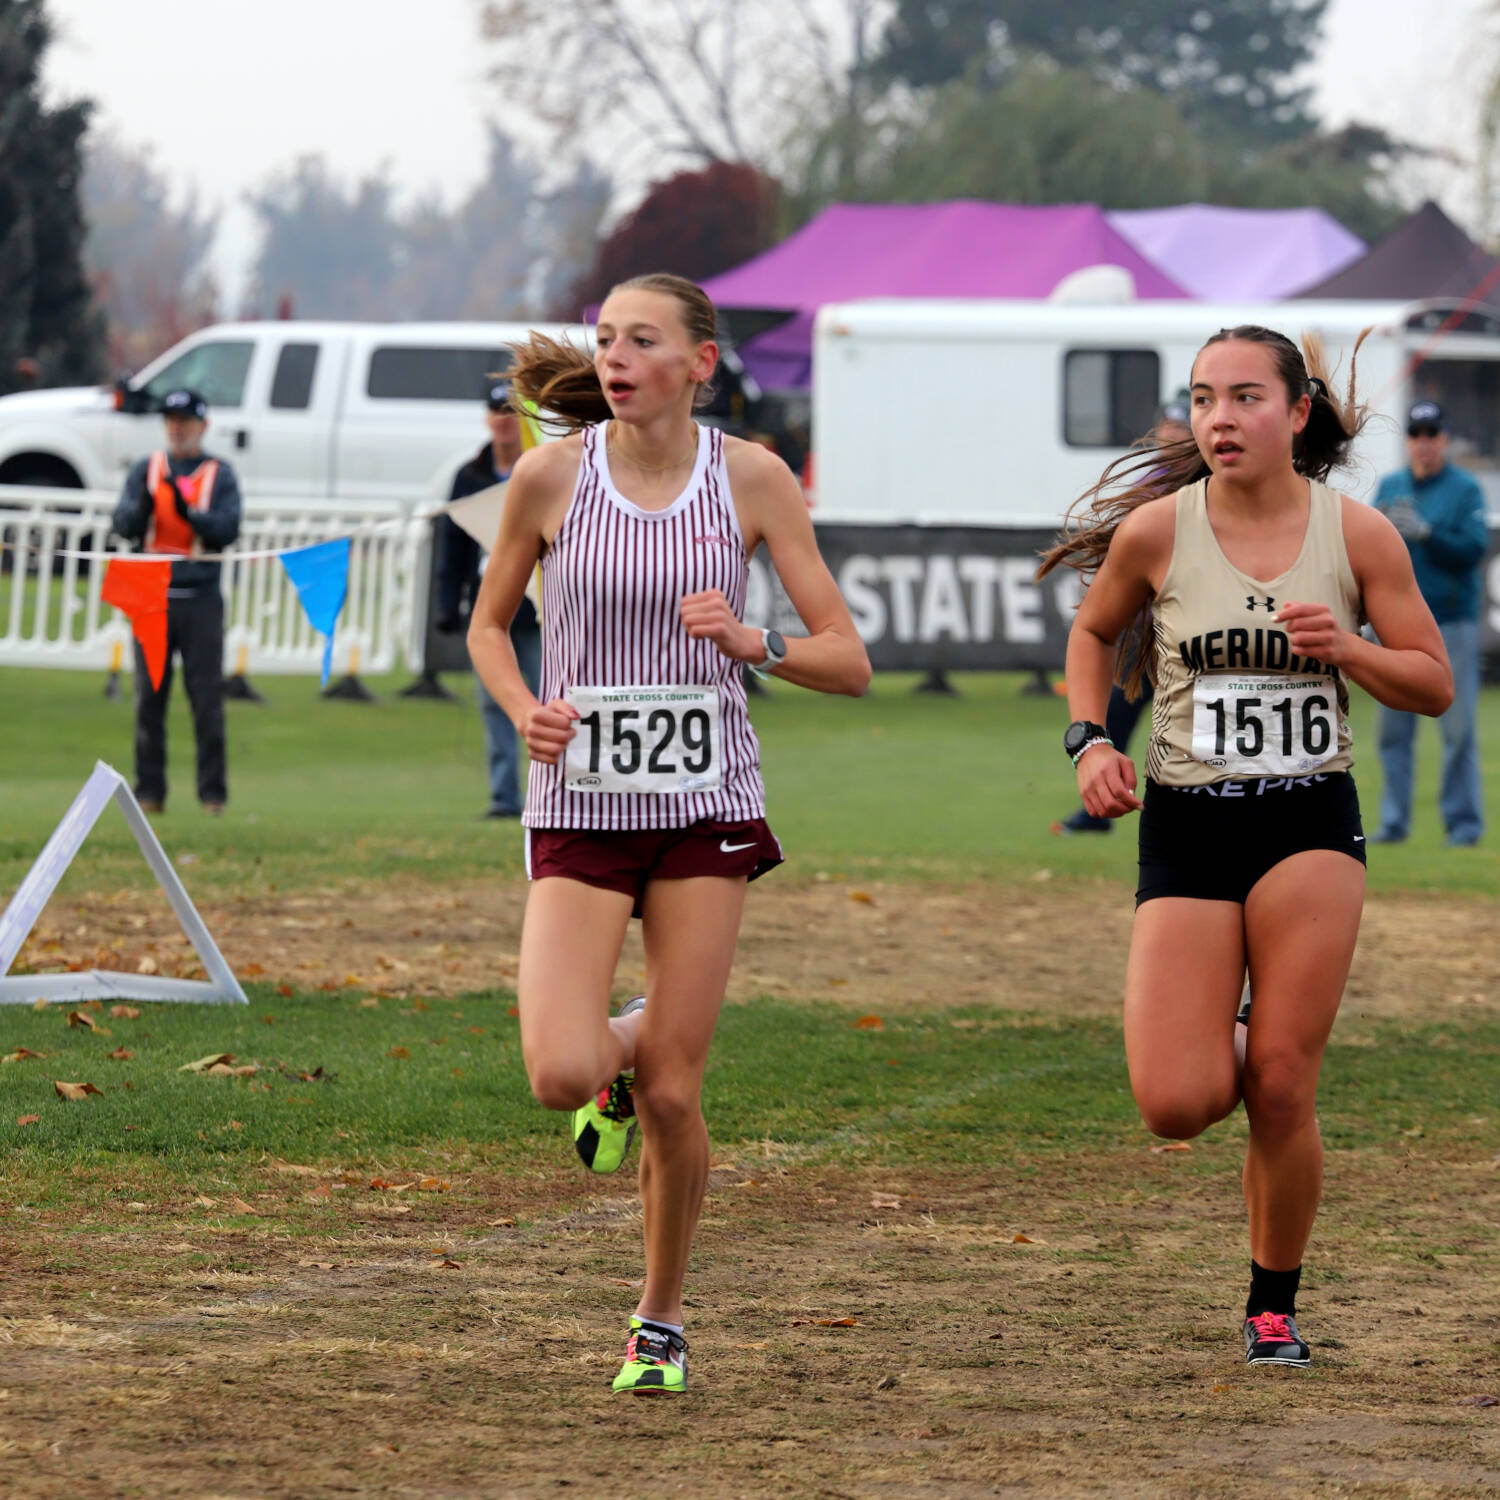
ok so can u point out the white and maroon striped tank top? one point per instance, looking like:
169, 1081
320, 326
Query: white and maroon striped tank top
612, 582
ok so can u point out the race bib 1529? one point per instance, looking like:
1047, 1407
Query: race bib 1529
644, 739
1254, 725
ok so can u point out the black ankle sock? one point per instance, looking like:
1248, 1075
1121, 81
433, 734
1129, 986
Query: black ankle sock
1272, 1291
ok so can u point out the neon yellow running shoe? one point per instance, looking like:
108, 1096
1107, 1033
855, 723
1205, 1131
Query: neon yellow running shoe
605, 1126
655, 1360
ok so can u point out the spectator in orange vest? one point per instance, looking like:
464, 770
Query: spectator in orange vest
184, 504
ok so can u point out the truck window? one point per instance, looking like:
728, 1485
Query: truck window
216, 371
413, 374
291, 386
1110, 396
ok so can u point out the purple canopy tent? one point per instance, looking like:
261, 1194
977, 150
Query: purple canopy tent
1240, 254
1426, 255
959, 249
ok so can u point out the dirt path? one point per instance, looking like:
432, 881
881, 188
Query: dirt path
855, 1332
884, 947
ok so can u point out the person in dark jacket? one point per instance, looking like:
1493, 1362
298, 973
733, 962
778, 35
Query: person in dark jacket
460, 566
182, 503
1439, 509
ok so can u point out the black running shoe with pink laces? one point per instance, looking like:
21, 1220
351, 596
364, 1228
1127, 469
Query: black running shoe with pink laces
1272, 1339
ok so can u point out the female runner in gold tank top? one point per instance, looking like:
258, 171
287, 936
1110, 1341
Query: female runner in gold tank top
1252, 855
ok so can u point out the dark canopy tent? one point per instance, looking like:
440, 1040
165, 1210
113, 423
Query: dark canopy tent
1425, 257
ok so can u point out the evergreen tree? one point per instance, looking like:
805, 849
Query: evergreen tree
1233, 63
48, 321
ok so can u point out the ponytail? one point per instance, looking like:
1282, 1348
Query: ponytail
558, 380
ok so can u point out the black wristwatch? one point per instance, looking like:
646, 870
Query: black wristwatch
1080, 734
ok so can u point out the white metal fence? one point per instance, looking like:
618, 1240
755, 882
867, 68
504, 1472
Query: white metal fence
51, 614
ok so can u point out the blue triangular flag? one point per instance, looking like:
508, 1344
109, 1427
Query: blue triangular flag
320, 574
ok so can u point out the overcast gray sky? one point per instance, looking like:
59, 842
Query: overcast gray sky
228, 93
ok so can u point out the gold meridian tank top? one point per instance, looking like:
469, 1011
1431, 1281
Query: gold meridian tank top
1231, 698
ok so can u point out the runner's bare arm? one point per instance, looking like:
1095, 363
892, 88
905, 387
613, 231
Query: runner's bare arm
1408, 669
1123, 586
831, 658
536, 499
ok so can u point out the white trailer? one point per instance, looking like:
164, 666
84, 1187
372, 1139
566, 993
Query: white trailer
1001, 412
949, 438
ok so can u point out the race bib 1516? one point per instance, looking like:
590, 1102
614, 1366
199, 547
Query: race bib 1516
1254, 725
644, 739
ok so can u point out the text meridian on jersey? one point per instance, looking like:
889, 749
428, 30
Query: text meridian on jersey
1265, 602
1243, 650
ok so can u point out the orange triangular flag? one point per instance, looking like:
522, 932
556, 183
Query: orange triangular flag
139, 587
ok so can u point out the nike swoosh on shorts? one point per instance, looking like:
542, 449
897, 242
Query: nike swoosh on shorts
734, 848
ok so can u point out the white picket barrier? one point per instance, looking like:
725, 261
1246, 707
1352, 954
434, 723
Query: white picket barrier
51, 614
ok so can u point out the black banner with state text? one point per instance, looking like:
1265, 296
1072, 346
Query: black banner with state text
966, 598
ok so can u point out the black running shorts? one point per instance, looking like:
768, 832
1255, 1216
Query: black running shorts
1214, 842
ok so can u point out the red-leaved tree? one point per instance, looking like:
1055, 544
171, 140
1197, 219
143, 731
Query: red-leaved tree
695, 224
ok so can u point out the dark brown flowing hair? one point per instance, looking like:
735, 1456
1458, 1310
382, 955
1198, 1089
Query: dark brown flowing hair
559, 379
1153, 469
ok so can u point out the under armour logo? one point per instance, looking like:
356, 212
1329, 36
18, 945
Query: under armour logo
1252, 606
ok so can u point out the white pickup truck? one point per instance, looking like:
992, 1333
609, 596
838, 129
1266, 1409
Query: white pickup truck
372, 412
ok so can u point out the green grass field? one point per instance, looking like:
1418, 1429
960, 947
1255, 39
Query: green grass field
895, 784
939, 1249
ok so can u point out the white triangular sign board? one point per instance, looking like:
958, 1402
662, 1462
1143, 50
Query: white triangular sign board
51, 865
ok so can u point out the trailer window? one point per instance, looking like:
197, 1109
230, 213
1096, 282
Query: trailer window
413, 374
1468, 390
1110, 396
291, 385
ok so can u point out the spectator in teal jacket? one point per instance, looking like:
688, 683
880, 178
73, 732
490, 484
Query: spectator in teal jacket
1439, 509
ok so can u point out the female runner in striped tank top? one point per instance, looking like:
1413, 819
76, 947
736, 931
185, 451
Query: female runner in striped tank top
1255, 577
645, 795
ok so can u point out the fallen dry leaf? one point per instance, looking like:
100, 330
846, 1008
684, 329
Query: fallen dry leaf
398, 1052
870, 1023
82, 1018
120, 1054
201, 1202
40, 1003
884, 1200
124, 1013
27, 1119
293, 1169
433, 1185
836, 1322
1167, 1146
252, 971
241, 1207
1022, 1239
204, 1064
284, 990
507, 1224
446, 1265
74, 1090
369, 1003
316, 1265
863, 897
146, 966
510, 1010
20, 1054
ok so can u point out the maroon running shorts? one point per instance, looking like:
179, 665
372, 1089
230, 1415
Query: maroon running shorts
626, 860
